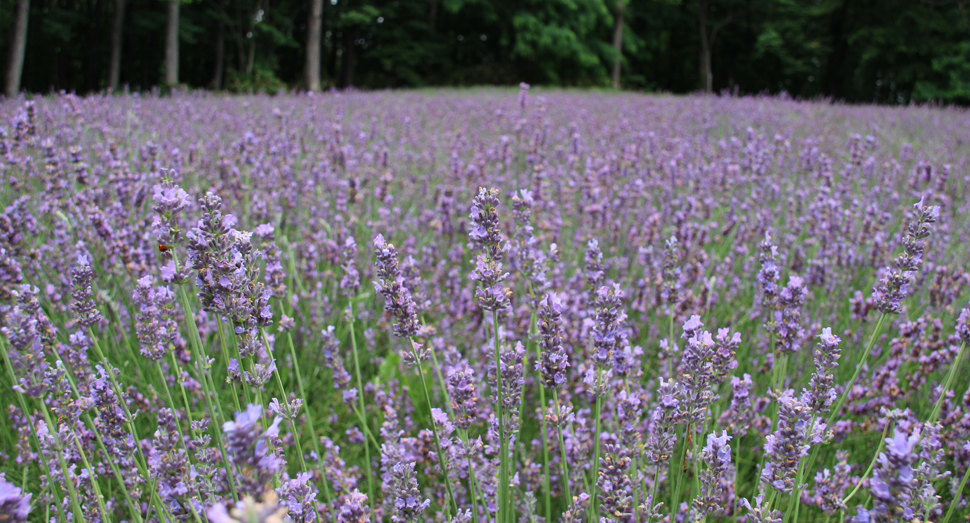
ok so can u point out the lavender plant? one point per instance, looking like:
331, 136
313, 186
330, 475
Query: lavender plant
517, 362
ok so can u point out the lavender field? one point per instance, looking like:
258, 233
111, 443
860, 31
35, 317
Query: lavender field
482, 306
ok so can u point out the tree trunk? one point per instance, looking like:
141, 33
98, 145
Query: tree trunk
618, 42
834, 74
15, 63
240, 43
347, 58
251, 58
117, 25
251, 36
707, 83
220, 48
172, 44
313, 46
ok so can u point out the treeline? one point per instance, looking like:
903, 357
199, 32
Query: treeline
884, 51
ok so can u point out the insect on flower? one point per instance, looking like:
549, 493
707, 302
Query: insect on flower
162, 248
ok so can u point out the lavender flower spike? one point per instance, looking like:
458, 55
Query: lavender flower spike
397, 298
554, 362
14, 504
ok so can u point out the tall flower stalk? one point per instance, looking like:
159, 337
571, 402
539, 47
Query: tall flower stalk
399, 303
493, 296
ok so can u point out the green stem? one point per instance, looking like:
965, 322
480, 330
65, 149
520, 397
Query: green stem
593, 505
225, 354
678, 485
872, 464
360, 399
737, 474
309, 417
956, 499
140, 460
52, 429
545, 430
654, 489
670, 347
185, 399
949, 383
208, 388
562, 450
171, 402
442, 459
503, 479
695, 461
858, 370
794, 501
132, 508
93, 478
286, 404
462, 434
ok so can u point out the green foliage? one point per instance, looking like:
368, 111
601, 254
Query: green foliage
559, 36
260, 81
892, 51
955, 70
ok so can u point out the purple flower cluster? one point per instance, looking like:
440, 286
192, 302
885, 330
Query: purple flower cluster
184, 335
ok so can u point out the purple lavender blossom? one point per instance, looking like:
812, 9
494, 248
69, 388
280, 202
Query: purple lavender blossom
963, 326
760, 511
486, 234
576, 511
523, 94
831, 486
157, 330
594, 265
609, 337
170, 201
554, 362
248, 447
670, 275
786, 447
298, 495
660, 443
14, 504
821, 389
786, 324
929, 471
408, 504
768, 275
84, 306
397, 298
895, 283
716, 456
892, 485
353, 508
24, 334
512, 383
350, 282
614, 486
330, 350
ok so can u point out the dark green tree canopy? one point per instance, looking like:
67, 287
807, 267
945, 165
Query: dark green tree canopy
882, 51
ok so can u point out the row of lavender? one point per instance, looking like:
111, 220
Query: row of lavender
476, 307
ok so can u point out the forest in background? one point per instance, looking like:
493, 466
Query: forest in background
867, 51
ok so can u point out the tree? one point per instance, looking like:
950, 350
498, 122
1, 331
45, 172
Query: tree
563, 39
172, 43
707, 41
220, 60
117, 25
313, 46
618, 42
15, 64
